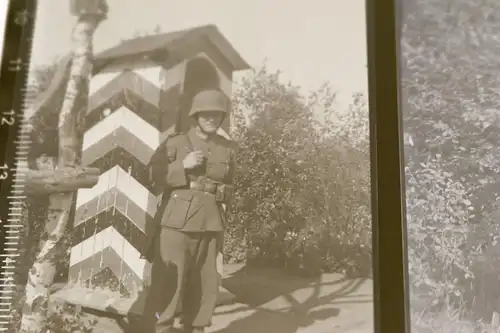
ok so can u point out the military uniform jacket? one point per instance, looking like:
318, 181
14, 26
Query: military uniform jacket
197, 197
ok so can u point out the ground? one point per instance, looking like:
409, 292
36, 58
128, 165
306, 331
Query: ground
272, 301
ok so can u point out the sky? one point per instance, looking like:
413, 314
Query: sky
311, 42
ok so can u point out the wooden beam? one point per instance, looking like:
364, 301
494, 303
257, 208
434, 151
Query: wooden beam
65, 179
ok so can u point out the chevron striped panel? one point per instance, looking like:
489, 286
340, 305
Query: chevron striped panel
131, 111
158, 76
107, 249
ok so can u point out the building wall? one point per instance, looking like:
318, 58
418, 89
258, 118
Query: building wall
131, 109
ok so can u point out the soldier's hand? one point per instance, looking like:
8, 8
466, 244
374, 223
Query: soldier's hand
193, 159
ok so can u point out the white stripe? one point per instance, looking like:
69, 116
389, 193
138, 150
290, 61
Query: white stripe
100, 80
127, 119
143, 158
226, 85
102, 208
117, 177
108, 237
112, 71
157, 75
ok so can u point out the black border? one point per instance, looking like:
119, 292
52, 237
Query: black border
389, 232
17, 44
388, 200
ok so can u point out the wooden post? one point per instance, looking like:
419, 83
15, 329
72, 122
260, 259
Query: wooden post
70, 133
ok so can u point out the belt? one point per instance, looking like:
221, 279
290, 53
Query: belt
222, 192
205, 186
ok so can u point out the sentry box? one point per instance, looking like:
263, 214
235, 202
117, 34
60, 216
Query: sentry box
137, 96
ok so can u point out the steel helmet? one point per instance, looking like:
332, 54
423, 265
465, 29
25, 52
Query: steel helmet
208, 100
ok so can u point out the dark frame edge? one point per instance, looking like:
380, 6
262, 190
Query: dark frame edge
12, 94
391, 313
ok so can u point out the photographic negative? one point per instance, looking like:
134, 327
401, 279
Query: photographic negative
196, 166
451, 125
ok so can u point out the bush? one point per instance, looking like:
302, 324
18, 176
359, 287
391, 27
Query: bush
303, 198
483, 242
447, 321
451, 113
438, 212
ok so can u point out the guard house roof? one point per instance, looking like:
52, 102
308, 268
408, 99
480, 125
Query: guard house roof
168, 41
43, 114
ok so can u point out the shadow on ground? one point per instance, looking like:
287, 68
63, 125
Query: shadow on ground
270, 300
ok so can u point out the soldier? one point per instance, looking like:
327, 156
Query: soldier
198, 170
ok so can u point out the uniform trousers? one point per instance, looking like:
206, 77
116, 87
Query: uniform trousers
184, 273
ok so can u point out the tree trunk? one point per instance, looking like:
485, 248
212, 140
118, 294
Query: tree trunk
71, 126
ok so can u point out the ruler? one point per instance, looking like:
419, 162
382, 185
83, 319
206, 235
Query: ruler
14, 143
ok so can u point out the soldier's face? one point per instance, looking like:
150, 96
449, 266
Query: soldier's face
210, 122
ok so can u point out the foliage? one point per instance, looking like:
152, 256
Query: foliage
447, 321
64, 320
438, 216
303, 185
60, 320
451, 104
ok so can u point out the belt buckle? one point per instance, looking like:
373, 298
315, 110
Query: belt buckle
210, 187
196, 186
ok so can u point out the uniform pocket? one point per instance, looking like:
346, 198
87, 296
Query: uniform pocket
218, 170
176, 214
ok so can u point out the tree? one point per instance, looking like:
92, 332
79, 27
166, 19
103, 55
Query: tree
70, 136
303, 184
